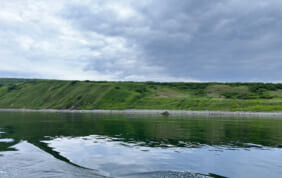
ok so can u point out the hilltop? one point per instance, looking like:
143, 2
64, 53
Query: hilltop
88, 95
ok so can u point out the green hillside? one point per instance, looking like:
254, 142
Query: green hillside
47, 94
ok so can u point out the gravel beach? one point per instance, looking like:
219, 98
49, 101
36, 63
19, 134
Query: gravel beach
147, 111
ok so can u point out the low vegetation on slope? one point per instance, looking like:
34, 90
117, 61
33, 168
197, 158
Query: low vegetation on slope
47, 94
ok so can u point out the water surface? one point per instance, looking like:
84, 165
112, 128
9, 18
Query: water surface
128, 145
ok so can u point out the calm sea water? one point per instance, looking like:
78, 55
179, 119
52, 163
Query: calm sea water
125, 145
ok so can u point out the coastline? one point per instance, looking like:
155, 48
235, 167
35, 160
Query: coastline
152, 111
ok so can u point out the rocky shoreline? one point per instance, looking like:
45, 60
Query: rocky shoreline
148, 111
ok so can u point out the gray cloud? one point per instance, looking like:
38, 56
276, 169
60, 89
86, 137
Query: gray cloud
195, 40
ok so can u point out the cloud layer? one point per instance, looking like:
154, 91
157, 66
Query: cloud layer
161, 40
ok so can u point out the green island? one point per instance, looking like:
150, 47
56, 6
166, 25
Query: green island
89, 95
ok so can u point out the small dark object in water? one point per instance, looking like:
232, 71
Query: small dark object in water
165, 113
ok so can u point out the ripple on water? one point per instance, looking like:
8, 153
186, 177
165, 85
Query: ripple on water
167, 174
7, 140
30, 161
117, 158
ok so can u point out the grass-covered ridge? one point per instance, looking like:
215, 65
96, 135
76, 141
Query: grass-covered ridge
54, 94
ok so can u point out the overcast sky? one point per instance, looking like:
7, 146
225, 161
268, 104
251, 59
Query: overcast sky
146, 40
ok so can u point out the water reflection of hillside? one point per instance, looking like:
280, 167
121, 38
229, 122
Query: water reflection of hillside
163, 142
118, 158
27, 160
150, 131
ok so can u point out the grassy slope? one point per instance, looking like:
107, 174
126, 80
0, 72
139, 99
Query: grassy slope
43, 94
